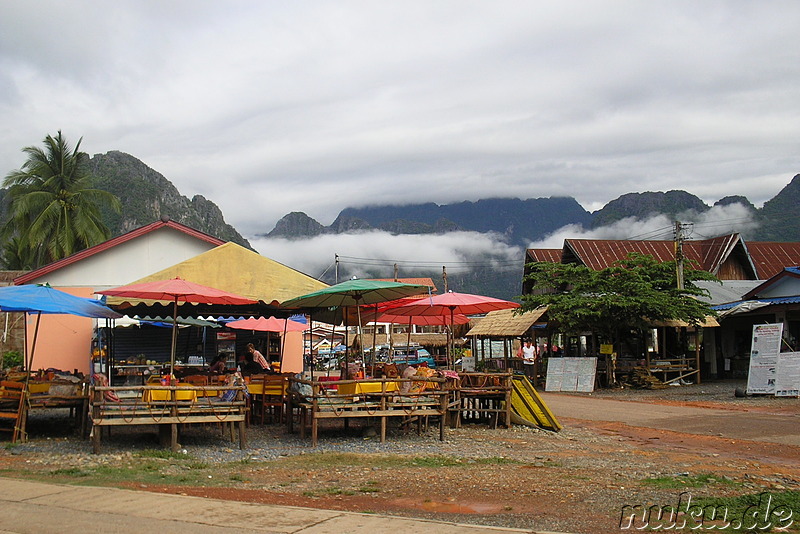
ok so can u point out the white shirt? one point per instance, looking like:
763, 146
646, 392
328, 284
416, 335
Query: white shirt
528, 354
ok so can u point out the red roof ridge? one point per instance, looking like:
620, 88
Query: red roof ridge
164, 222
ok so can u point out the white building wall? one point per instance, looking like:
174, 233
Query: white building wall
129, 261
786, 287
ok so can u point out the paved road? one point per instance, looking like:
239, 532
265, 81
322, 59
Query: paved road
771, 428
37, 508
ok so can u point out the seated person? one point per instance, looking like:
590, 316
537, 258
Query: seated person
257, 356
249, 367
218, 365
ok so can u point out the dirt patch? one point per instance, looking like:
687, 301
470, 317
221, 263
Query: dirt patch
573, 481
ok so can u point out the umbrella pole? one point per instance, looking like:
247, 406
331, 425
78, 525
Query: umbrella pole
174, 338
346, 343
374, 340
29, 363
451, 364
310, 343
333, 353
361, 337
408, 339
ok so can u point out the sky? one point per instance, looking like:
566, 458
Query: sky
269, 107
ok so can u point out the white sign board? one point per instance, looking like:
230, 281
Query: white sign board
571, 374
764, 353
787, 381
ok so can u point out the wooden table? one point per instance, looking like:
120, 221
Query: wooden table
162, 395
366, 387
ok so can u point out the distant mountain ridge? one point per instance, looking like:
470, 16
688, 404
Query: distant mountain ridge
146, 195
523, 221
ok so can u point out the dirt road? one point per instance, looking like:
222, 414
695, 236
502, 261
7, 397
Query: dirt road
617, 448
783, 428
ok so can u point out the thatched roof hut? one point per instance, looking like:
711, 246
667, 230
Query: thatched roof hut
506, 324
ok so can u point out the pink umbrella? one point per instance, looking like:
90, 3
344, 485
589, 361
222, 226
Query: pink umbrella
272, 324
261, 324
176, 290
450, 304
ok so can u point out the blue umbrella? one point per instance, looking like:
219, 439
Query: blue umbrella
41, 298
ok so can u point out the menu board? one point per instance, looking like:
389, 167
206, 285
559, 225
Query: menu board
764, 352
787, 381
571, 374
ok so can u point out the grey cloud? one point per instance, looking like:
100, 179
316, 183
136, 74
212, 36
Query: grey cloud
267, 108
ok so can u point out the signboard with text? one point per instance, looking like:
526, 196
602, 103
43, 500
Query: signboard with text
764, 351
571, 374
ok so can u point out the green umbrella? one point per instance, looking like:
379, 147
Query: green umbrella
355, 293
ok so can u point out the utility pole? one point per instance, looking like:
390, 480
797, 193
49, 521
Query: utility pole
396, 272
679, 253
336, 263
444, 277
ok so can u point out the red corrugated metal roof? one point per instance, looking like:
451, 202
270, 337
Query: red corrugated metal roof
549, 255
599, 254
770, 258
51, 267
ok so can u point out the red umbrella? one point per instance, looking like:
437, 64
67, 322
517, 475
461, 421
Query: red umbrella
177, 290
261, 324
421, 320
452, 303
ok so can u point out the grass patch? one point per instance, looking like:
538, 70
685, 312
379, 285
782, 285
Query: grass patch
764, 512
70, 472
343, 459
163, 454
686, 481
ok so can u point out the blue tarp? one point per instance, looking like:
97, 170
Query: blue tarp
45, 299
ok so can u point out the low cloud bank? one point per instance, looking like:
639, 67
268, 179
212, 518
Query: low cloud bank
374, 253
719, 220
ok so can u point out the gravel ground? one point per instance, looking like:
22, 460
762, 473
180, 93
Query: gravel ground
571, 481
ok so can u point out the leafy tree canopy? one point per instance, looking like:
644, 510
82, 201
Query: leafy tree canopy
54, 211
631, 294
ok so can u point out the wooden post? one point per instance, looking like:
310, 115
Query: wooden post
97, 398
383, 409
443, 408
697, 351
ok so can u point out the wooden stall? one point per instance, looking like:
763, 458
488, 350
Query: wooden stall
411, 400
483, 398
173, 405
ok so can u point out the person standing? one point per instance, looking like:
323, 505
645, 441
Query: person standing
258, 357
529, 359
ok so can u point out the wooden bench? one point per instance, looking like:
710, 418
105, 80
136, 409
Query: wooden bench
124, 406
12, 408
481, 398
387, 400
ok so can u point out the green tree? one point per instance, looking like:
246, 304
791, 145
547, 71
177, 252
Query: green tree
630, 295
53, 210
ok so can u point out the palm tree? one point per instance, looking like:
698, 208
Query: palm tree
53, 211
